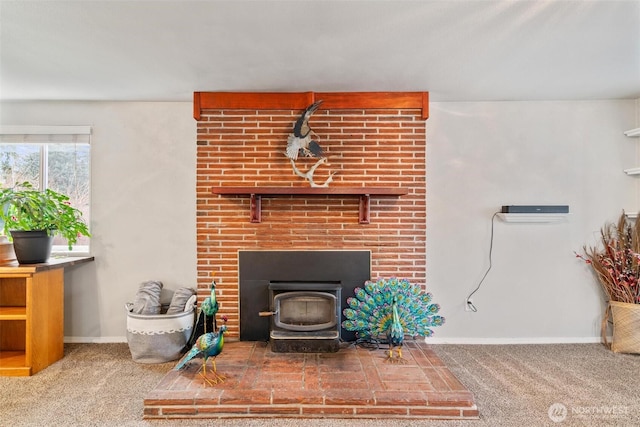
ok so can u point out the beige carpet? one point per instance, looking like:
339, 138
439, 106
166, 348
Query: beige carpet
99, 385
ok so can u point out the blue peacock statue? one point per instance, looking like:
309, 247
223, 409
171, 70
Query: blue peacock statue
206, 321
208, 346
391, 308
210, 305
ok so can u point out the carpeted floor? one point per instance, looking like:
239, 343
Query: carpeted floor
99, 385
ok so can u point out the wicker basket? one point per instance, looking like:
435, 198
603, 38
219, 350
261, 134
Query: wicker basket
626, 327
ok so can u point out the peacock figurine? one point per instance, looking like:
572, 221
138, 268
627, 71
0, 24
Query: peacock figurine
209, 346
391, 308
206, 321
210, 306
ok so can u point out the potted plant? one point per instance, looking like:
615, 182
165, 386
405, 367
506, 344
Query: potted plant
33, 217
616, 264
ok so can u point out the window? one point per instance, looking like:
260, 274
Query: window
56, 157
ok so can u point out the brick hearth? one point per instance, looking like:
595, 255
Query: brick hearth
352, 383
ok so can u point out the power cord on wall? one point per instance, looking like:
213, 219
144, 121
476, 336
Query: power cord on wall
469, 303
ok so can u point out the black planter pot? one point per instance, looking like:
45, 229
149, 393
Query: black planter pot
32, 247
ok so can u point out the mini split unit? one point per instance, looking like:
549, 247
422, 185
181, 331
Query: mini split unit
531, 209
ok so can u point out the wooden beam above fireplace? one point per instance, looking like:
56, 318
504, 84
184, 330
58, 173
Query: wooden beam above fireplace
300, 100
364, 193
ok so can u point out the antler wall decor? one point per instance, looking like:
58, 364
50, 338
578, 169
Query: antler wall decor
300, 143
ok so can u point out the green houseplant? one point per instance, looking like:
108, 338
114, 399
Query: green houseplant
40, 213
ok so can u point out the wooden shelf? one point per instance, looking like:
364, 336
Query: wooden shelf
364, 193
288, 191
13, 313
14, 364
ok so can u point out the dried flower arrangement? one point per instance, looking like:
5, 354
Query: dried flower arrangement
617, 263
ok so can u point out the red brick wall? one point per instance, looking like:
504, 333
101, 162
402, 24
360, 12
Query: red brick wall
375, 148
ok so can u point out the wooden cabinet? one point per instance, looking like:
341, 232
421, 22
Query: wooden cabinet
32, 315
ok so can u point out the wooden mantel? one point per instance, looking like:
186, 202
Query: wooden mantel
301, 100
364, 193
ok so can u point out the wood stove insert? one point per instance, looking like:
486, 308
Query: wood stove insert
305, 317
331, 272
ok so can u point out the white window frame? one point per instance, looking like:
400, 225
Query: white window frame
44, 135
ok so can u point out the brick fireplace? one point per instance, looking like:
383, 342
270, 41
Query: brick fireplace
250, 206
376, 202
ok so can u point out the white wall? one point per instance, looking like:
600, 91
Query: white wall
479, 157
143, 205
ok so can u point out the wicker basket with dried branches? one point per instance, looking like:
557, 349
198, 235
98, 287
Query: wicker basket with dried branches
616, 264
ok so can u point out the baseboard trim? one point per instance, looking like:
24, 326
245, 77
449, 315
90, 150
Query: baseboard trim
432, 340
94, 340
507, 341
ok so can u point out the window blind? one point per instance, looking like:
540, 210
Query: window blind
44, 134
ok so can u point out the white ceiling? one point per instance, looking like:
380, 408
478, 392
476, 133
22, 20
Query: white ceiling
457, 50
